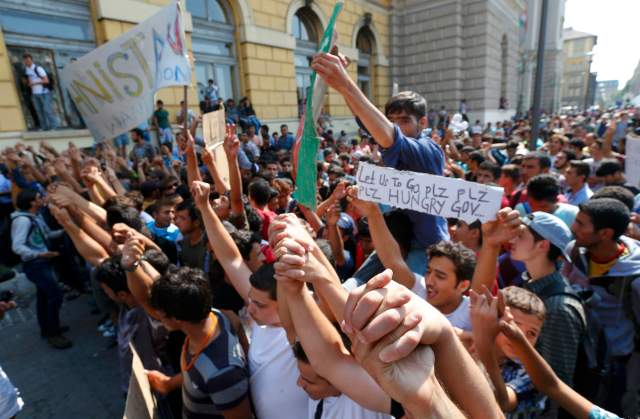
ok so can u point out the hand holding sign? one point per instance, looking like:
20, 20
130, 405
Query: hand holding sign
431, 194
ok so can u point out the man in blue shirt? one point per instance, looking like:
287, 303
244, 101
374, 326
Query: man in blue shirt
286, 139
399, 134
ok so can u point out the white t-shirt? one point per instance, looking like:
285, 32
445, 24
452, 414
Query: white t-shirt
460, 317
36, 74
10, 401
420, 286
274, 373
342, 407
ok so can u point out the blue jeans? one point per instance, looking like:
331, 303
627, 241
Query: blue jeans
44, 109
48, 296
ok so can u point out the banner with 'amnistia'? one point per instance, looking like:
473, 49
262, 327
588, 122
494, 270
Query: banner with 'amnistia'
113, 86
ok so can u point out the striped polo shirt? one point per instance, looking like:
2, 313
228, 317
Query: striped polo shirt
219, 379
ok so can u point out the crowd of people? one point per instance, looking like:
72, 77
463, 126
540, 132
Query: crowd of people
241, 302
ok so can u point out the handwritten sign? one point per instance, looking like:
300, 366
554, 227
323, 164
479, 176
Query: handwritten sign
213, 128
431, 194
113, 85
632, 162
213, 132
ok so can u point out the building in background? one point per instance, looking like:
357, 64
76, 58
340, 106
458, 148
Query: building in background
605, 95
576, 76
259, 49
459, 50
553, 60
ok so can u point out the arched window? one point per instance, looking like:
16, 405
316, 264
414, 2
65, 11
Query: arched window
213, 45
365, 43
306, 29
504, 46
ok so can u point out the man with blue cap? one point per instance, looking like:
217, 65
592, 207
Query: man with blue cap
540, 245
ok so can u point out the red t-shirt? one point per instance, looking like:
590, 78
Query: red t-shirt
266, 216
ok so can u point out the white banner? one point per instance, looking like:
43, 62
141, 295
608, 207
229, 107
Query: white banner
632, 161
435, 195
113, 86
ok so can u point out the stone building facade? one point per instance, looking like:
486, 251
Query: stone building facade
577, 82
459, 49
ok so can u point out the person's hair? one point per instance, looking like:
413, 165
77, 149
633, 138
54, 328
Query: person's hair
138, 131
26, 55
158, 260
167, 181
544, 161
554, 252
189, 206
244, 240
284, 126
411, 103
119, 213
184, 294
400, 227
263, 279
253, 219
607, 213
577, 142
582, 168
260, 191
110, 273
524, 300
149, 187
620, 193
325, 247
512, 144
163, 202
511, 171
462, 257
570, 154
299, 353
477, 157
136, 199
26, 198
491, 167
159, 102
543, 188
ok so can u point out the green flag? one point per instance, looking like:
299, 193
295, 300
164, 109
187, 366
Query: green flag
307, 171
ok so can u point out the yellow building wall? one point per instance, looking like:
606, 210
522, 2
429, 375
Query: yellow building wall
259, 85
11, 118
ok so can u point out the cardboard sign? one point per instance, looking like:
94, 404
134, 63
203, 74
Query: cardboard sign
113, 86
213, 132
431, 194
213, 128
632, 161
141, 403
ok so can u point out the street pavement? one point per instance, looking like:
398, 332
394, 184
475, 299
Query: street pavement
82, 382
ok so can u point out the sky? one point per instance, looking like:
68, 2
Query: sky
615, 22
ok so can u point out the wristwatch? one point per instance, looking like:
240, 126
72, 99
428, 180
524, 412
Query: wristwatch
133, 266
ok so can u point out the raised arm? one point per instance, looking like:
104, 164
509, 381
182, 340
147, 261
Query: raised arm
494, 233
231, 148
95, 211
140, 274
332, 70
484, 318
89, 249
541, 374
221, 242
607, 140
193, 173
386, 246
219, 183
326, 353
403, 321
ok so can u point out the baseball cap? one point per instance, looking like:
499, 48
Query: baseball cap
550, 228
346, 223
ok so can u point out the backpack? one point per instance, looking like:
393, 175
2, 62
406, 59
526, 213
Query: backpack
52, 83
592, 362
7, 256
